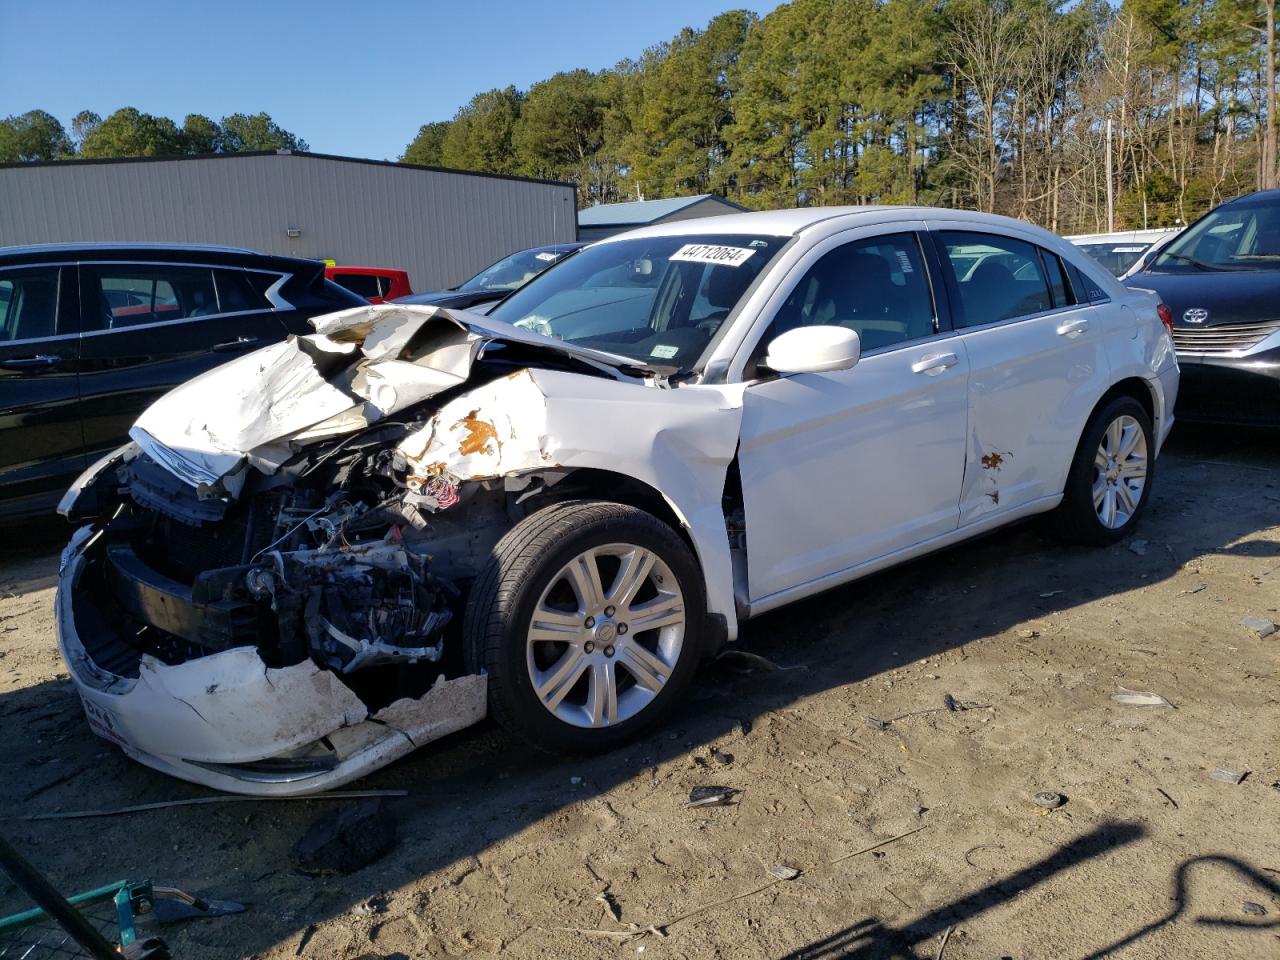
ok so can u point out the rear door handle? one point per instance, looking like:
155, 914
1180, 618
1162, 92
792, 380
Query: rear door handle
31, 363
935, 363
1073, 328
239, 343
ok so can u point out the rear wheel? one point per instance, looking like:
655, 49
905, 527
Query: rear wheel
1110, 479
588, 620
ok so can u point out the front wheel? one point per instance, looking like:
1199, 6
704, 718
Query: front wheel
1110, 479
588, 620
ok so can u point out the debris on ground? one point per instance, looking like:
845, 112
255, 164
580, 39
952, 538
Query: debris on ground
1196, 589
172, 906
1049, 800
719, 756
343, 841
949, 704
754, 658
1139, 547
783, 872
1253, 909
1137, 698
1223, 775
712, 796
1259, 625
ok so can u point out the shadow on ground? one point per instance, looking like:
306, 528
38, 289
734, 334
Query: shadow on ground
476, 788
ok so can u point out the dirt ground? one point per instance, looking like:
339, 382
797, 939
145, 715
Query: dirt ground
503, 852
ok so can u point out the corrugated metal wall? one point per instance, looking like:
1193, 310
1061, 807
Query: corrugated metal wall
442, 227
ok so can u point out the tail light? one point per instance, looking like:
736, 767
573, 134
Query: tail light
1166, 315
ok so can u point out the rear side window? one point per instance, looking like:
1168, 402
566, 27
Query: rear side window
1059, 290
998, 278
876, 286
1087, 291
359, 283
236, 294
28, 303
128, 295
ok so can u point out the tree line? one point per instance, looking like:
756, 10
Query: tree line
999, 105
128, 132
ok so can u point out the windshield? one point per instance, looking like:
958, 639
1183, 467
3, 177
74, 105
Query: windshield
1116, 257
1244, 235
514, 271
655, 300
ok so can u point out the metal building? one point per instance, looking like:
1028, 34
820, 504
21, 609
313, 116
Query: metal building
442, 226
606, 219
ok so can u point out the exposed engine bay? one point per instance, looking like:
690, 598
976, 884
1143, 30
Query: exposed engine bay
317, 521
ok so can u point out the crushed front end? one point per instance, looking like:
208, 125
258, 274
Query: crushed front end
279, 612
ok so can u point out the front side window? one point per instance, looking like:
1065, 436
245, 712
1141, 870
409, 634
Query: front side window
655, 300
128, 295
999, 278
877, 287
1242, 235
28, 303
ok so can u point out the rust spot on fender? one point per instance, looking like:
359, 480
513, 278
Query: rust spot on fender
479, 433
992, 460
995, 496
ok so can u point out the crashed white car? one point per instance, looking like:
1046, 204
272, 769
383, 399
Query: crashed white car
324, 554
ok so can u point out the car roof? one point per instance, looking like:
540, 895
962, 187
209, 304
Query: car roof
212, 253
1124, 236
568, 247
371, 271
793, 222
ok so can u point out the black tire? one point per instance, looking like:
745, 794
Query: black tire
1076, 519
525, 563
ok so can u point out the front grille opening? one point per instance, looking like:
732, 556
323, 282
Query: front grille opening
1224, 339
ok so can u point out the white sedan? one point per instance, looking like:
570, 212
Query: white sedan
322, 555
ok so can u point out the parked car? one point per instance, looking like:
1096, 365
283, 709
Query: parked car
496, 280
375, 284
1221, 279
1118, 252
91, 334
371, 537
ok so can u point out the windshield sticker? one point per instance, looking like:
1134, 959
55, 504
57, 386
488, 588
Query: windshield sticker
1127, 249
713, 253
903, 261
664, 351
544, 256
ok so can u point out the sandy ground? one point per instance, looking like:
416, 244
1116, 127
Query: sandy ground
502, 852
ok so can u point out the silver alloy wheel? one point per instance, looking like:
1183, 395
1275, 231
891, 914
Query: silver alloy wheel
1119, 472
598, 655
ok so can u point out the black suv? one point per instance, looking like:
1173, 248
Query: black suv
91, 334
1221, 279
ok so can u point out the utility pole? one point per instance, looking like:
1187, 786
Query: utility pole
1111, 211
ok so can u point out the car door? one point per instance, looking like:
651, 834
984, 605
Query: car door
1036, 366
841, 468
42, 449
149, 326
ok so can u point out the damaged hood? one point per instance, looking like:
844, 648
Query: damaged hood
360, 366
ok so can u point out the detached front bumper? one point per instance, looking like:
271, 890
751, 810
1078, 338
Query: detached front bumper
227, 720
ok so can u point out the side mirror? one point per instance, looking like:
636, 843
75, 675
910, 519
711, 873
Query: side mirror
815, 349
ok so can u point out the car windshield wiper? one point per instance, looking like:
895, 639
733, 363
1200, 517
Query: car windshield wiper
1210, 267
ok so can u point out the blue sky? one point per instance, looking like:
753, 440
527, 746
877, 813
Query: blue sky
353, 78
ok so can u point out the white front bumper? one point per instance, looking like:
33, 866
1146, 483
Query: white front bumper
206, 719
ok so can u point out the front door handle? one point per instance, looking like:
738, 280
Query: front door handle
31, 363
1073, 328
239, 343
935, 363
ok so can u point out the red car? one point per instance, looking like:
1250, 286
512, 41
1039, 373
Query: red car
375, 284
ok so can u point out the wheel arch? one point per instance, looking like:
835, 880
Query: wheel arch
709, 552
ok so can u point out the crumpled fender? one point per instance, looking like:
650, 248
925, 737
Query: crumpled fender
680, 442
